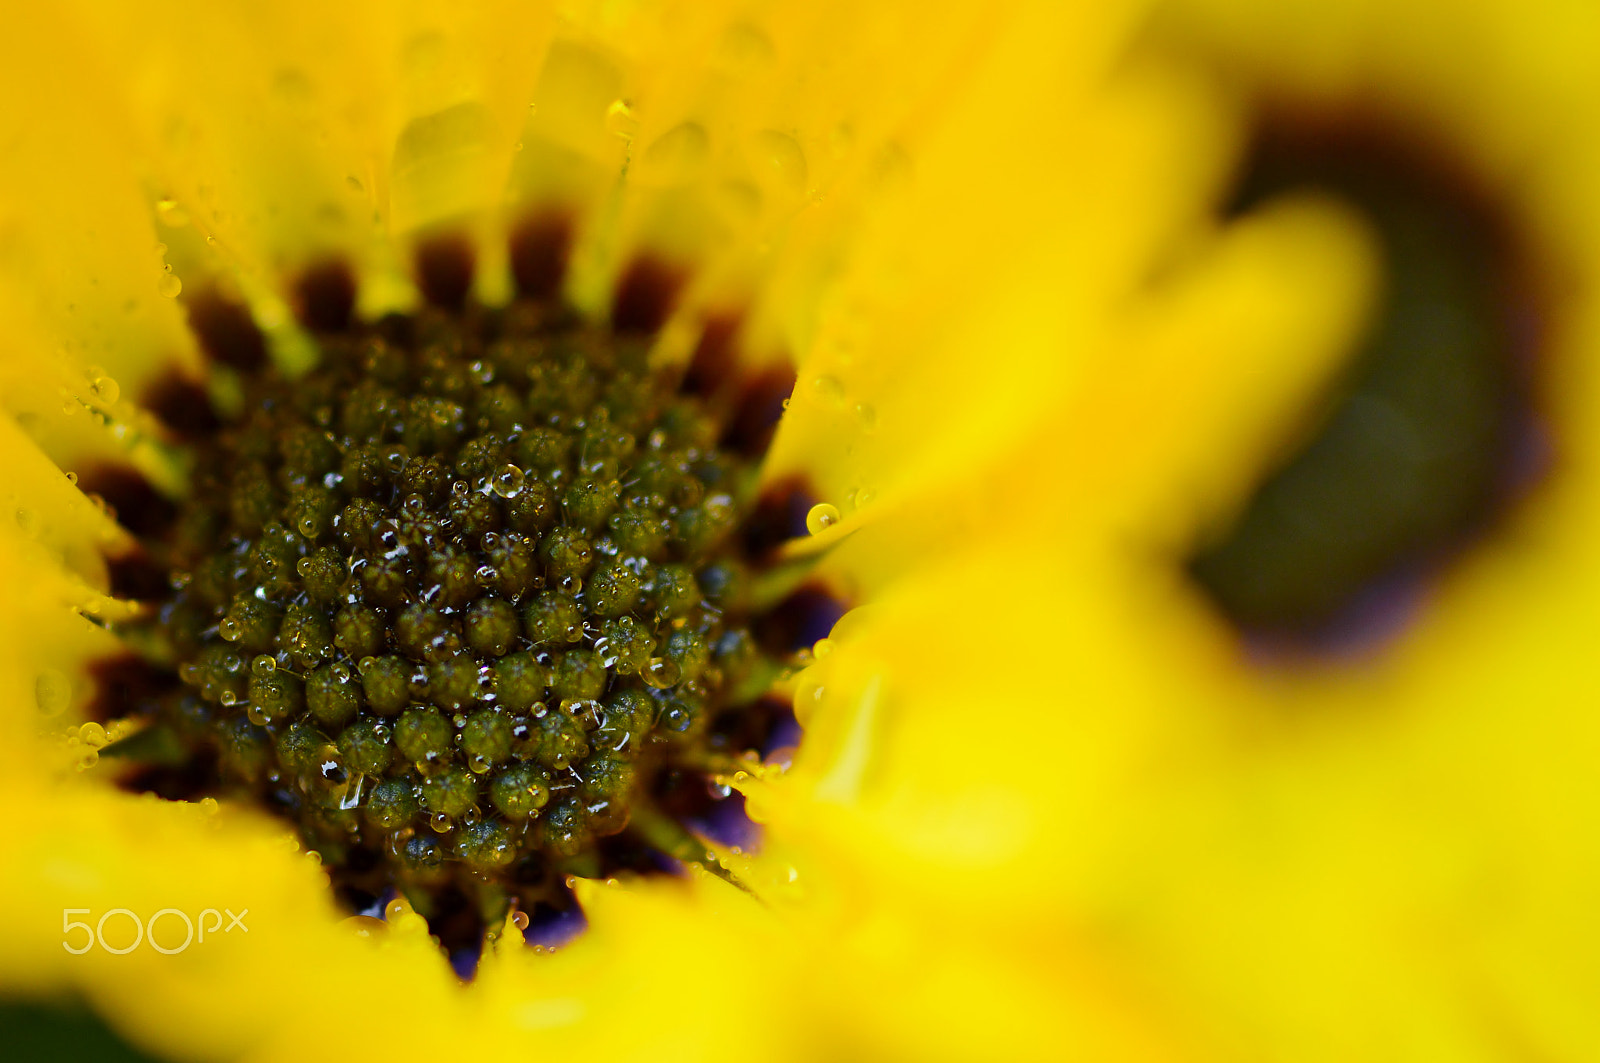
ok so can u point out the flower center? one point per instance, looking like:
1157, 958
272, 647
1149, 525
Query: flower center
462, 602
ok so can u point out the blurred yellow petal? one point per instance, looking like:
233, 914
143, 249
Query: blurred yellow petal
1047, 803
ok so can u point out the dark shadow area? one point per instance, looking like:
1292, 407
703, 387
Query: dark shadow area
60, 1033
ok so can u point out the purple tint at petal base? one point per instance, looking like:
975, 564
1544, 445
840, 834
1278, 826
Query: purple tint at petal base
727, 823
464, 961
551, 928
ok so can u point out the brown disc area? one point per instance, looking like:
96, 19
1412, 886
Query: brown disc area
471, 603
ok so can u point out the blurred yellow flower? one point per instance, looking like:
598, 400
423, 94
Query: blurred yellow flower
1046, 803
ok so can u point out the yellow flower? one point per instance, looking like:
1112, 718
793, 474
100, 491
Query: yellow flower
1045, 804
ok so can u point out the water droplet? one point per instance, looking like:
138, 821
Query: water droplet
27, 521
659, 672
678, 154
230, 630
171, 213
72, 477
255, 715
507, 483
93, 735
479, 763
519, 919
169, 285
620, 120
105, 390
396, 908
52, 690
780, 157
745, 50
88, 760
365, 926
208, 805
821, 517
829, 390
440, 823
264, 665
228, 697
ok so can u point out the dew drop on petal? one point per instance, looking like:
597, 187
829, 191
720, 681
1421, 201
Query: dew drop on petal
620, 120
169, 285
821, 517
829, 390
780, 156
103, 387
27, 521
679, 152
51, 691
365, 926
171, 213
745, 49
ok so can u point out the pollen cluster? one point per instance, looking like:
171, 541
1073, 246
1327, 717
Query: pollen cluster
457, 598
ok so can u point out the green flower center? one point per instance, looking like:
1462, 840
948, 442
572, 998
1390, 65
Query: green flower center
464, 602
